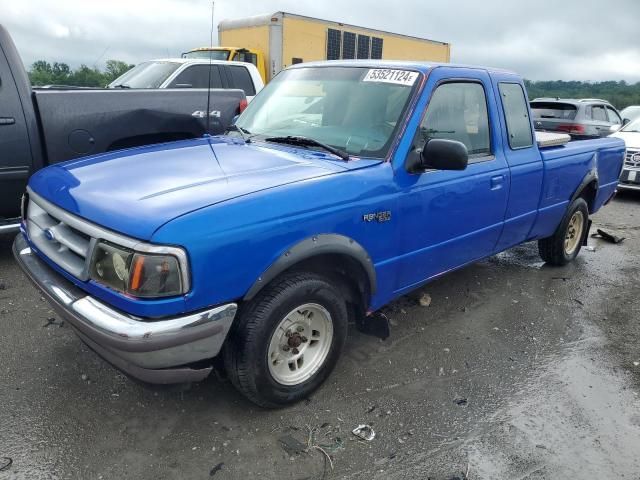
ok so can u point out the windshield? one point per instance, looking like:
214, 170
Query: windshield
353, 109
632, 127
145, 75
631, 113
214, 54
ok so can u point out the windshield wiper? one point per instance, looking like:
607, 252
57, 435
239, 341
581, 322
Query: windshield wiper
242, 131
309, 142
121, 85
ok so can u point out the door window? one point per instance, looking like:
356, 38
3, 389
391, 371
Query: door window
613, 116
197, 76
516, 115
247, 57
458, 111
239, 77
598, 113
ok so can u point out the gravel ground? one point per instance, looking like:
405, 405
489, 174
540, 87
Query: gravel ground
515, 371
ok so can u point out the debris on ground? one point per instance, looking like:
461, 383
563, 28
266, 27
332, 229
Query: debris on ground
606, 236
461, 401
365, 432
84, 377
425, 300
377, 325
635, 364
579, 302
464, 475
5, 463
292, 445
216, 469
589, 248
2, 286
52, 321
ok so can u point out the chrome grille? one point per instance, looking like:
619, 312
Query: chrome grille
632, 159
68, 246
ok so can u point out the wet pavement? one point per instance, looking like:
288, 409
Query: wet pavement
515, 371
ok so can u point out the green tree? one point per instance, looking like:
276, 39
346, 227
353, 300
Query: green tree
87, 77
41, 73
44, 73
115, 68
620, 93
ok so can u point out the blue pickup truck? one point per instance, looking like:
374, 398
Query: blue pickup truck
342, 186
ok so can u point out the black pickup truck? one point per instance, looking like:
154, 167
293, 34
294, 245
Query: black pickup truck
39, 127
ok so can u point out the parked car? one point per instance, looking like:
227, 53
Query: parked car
345, 185
586, 118
630, 113
630, 178
43, 127
192, 73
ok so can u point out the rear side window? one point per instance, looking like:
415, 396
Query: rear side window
598, 113
458, 111
239, 77
557, 110
197, 76
516, 114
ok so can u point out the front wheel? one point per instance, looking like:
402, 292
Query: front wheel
287, 340
564, 245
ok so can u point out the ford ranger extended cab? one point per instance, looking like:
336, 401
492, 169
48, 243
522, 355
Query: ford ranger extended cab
343, 186
40, 127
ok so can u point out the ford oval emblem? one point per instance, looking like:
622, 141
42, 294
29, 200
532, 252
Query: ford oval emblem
49, 235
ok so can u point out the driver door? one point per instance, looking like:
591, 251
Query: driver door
451, 218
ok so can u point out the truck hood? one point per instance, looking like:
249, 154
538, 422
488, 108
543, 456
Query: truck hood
631, 139
136, 191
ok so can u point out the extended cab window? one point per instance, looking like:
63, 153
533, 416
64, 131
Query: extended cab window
458, 111
197, 76
516, 114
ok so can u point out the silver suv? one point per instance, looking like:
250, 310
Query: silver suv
586, 118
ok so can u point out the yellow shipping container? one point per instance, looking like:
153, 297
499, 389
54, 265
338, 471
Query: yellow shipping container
286, 39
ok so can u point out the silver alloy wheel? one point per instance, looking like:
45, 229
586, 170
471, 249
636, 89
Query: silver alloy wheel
300, 344
573, 236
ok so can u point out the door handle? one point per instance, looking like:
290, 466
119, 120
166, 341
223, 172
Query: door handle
7, 121
496, 182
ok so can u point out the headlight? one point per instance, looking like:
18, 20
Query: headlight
141, 274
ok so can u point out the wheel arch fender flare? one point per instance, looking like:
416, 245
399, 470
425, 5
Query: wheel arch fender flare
311, 247
591, 178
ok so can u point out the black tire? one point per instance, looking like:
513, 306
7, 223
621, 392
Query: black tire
552, 249
246, 349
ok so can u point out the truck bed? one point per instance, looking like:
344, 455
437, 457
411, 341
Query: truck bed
564, 168
82, 122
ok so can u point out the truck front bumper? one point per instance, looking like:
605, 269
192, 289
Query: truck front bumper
154, 351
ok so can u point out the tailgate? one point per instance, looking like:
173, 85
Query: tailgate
85, 122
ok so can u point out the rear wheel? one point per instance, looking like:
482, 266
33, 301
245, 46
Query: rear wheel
564, 245
287, 340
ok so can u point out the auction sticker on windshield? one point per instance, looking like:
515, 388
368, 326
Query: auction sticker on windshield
386, 75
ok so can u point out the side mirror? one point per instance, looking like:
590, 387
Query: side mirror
614, 128
626, 121
234, 120
443, 154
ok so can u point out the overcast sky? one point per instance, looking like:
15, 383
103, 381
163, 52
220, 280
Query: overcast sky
542, 39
